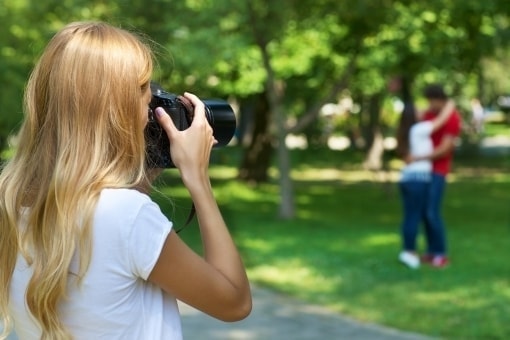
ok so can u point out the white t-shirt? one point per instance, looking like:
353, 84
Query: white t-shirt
420, 144
114, 301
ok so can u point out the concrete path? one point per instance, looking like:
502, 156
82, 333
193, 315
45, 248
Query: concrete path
278, 317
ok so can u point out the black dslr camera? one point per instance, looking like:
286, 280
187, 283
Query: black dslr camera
218, 112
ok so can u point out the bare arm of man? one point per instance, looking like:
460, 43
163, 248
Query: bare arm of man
447, 144
443, 115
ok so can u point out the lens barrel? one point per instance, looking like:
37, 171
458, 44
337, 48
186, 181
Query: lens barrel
222, 119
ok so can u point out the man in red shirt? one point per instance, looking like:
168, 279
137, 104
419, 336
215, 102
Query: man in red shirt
443, 140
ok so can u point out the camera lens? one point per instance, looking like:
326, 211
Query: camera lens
222, 119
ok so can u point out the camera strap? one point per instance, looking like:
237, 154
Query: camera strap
191, 214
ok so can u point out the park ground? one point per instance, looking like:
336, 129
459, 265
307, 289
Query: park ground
340, 250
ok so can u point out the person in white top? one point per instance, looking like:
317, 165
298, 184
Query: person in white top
85, 253
414, 142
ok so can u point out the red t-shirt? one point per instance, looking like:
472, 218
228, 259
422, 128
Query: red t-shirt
451, 127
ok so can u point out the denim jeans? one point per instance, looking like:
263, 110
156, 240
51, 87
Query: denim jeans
414, 200
434, 226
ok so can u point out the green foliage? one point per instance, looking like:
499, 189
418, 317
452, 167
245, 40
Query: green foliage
26, 28
496, 70
210, 46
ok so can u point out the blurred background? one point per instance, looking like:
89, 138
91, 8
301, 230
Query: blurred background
308, 184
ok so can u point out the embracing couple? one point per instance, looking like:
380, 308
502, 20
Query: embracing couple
426, 141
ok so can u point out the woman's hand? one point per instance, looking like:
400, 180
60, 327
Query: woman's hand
408, 159
190, 149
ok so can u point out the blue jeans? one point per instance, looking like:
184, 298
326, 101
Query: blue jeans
434, 226
414, 200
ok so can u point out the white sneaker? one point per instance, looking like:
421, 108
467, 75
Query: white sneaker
409, 259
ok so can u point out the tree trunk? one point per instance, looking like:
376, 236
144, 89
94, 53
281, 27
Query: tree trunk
275, 94
480, 85
406, 91
287, 207
257, 157
373, 135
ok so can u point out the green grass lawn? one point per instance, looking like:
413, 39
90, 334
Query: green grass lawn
340, 251
497, 129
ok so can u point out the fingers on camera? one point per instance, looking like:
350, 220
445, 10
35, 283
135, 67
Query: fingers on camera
197, 104
165, 120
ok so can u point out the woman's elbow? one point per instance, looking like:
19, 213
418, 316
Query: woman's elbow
239, 310
244, 309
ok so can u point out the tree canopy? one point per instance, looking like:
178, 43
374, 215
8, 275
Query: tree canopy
296, 55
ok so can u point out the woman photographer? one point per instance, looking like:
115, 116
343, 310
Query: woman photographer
84, 253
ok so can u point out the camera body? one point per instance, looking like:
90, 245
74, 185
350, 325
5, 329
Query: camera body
219, 114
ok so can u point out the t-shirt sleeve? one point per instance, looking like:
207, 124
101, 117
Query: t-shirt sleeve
149, 232
452, 126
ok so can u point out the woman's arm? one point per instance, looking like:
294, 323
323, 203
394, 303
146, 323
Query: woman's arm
217, 283
443, 115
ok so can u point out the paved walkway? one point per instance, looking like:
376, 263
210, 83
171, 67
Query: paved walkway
277, 317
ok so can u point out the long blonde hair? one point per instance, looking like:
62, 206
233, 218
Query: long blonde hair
82, 132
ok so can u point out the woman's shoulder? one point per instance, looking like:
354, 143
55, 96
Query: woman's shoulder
122, 200
423, 127
126, 194
126, 211
134, 227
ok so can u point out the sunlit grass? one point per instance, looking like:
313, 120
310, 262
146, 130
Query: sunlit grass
380, 240
340, 251
497, 129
